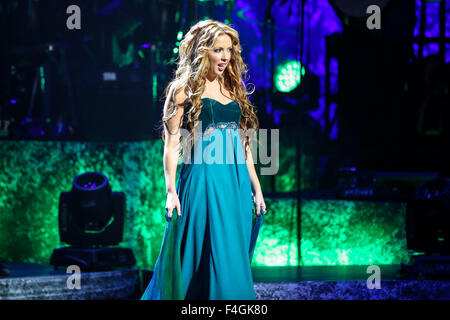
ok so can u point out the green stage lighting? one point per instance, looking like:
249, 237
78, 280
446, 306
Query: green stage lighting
287, 75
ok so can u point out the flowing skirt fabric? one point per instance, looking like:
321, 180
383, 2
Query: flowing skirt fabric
206, 253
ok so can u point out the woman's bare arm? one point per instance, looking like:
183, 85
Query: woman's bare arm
172, 135
256, 186
258, 197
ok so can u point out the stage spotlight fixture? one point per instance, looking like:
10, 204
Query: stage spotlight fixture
287, 75
91, 219
295, 92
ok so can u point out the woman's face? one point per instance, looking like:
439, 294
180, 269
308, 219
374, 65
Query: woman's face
220, 55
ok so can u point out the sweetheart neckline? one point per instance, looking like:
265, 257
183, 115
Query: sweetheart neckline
219, 101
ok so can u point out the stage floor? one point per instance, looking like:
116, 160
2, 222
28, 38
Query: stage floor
42, 282
28, 281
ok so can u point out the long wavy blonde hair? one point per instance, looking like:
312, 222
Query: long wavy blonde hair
193, 66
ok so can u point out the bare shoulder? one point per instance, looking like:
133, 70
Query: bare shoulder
180, 97
174, 100
174, 110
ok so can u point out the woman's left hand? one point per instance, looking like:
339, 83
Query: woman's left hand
258, 200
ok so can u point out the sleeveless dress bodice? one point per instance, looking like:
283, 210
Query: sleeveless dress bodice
216, 114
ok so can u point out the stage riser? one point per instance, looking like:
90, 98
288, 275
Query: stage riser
354, 290
93, 286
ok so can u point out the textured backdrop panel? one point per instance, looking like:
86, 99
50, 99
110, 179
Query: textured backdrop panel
33, 173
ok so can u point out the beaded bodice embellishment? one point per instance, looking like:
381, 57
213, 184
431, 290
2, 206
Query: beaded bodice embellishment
220, 125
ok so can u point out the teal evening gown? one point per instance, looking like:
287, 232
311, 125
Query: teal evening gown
206, 253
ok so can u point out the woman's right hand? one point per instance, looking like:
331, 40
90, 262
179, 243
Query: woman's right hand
173, 202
